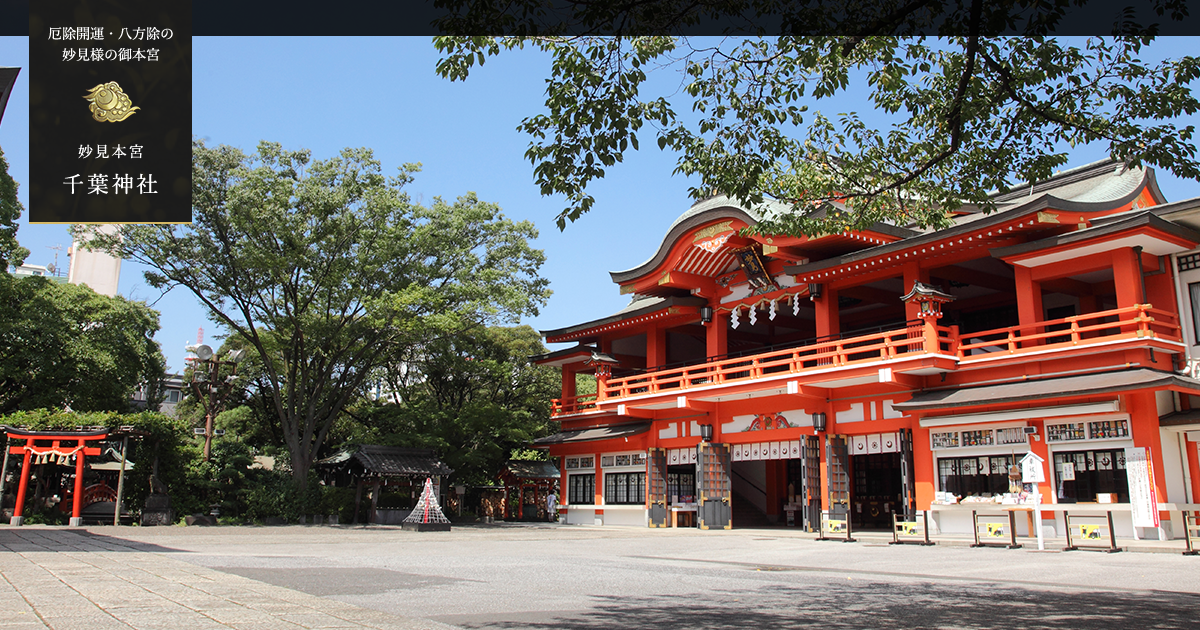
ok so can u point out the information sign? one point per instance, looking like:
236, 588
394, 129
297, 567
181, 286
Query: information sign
1142, 497
1031, 469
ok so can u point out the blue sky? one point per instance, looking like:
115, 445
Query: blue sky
327, 93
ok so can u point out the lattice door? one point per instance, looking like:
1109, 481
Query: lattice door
713, 467
837, 456
907, 489
656, 486
811, 482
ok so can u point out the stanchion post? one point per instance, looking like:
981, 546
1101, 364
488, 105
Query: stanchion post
1112, 534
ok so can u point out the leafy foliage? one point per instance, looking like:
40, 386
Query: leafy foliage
474, 398
328, 271
11, 252
62, 344
969, 113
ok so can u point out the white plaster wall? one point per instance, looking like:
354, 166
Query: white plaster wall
1183, 279
798, 417
1165, 402
856, 413
581, 516
737, 424
627, 516
1172, 466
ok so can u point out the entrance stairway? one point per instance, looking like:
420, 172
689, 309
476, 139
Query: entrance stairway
746, 515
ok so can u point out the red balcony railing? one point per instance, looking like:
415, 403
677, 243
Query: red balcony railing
1132, 322
819, 356
572, 404
1135, 322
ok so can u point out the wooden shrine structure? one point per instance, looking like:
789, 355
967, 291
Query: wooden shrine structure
890, 370
382, 467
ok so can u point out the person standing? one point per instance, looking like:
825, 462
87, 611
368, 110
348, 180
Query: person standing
551, 506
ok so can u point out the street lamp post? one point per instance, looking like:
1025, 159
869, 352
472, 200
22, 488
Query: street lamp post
208, 386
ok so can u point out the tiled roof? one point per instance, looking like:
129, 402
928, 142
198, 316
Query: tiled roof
597, 433
532, 470
389, 461
1047, 389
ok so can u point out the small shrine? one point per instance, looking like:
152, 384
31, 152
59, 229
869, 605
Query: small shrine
64, 448
928, 299
394, 474
531, 483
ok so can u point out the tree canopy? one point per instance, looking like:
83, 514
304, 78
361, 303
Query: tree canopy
62, 344
328, 271
968, 113
474, 398
11, 252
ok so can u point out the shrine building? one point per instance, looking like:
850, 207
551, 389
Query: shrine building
895, 370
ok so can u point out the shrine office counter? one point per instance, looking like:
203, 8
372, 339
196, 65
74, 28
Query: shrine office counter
956, 518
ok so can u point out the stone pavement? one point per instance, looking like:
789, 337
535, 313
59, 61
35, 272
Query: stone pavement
549, 576
68, 580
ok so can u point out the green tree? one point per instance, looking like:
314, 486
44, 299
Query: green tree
62, 344
473, 397
328, 271
967, 114
11, 252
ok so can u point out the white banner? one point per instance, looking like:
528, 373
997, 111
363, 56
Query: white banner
1139, 470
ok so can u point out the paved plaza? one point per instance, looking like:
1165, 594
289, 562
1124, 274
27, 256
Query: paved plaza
550, 576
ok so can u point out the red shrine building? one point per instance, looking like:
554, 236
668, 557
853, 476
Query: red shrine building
895, 370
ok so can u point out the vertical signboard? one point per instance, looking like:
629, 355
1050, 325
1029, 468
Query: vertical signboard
1139, 469
110, 111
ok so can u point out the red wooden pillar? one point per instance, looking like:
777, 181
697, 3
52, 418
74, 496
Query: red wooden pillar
1143, 421
1042, 449
717, 334
77, 500
1160, 287
913, 273
562, 487
823, 449
924, 481
568, 382
656, 347
1029, 296
774, 488
1193, 464
598, 486
827, 313
19, 508
521, 503
1127, 277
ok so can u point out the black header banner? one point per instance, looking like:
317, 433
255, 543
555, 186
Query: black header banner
110, 100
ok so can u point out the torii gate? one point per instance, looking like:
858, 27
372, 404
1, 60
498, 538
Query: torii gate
55, 450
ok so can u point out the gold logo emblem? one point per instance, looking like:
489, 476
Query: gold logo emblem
109, 103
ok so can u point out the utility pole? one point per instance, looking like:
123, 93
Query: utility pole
210, 389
